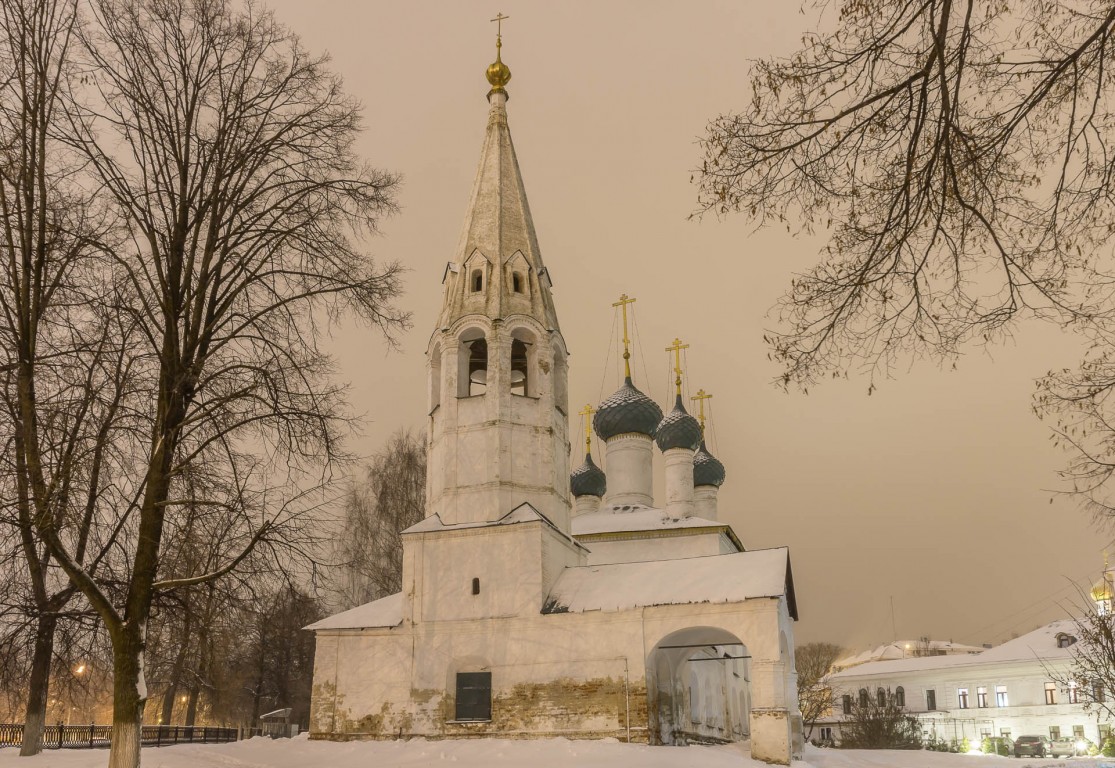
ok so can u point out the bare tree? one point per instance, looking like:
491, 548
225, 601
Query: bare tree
878, 721
390, 499
958, 155
228, 151
814, 664
1089, 677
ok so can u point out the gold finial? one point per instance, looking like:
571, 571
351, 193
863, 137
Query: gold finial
498, 74
623, 302
676, 348
700, 397
586, 412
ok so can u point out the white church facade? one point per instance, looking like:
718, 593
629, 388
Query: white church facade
539, 602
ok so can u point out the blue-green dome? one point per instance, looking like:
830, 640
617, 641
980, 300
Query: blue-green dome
707, 469
678, 429
588, 479
627, 410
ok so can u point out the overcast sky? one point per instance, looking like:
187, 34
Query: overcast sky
933, 491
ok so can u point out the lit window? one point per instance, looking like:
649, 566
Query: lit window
981, 697
1050, 693
1074, 695
1054, 732
1078, 732
962, 698
1001, 696
931, 700
900, 696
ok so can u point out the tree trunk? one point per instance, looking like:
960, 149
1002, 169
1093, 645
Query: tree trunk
191, 706
39, 684
129, 693
168, 703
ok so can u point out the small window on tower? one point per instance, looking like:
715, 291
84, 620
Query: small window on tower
517, 282
476, 586
477, 280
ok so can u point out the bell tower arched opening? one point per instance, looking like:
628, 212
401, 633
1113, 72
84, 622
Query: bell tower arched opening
472, 378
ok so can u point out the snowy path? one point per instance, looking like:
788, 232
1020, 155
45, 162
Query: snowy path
549, 753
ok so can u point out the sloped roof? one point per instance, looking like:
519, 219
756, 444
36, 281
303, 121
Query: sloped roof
385, 612
635, 518
713, 579
1039, 645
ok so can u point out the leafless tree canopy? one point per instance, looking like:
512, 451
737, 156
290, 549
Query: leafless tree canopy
959, 155
1092, 668
390, 498
814, 663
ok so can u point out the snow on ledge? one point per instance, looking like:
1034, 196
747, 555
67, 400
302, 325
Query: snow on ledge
385, 612
712, 579
635, 518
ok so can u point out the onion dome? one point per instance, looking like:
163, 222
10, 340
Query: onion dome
678, 429
707, 469
498, 73
588, 479
627, 410
1102, 592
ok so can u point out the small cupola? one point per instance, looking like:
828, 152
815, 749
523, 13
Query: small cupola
707, 469
588, 479
678, 429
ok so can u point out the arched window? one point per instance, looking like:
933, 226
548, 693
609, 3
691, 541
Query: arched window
477, 280
519, 367
900, 696
477, 367
881, 697
516, 282
863, 697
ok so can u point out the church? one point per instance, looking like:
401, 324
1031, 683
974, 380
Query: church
539, 602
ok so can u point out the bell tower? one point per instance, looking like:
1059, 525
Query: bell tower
497, 362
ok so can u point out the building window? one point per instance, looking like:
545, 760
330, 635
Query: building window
1064, 641
847, 704
931, 700
984, 733
477, 280
1105, 733
1078, 732
1074, 694
962, 698
1097, 692
900, 696
476, 586
516, 282
981, 697
881, 697
474, 696
863, 698
826, 733
1001, 696
1054, 732
1004, 732
1050, 693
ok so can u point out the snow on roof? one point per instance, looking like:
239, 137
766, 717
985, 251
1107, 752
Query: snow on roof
634, 517
385, 612
1041, 644
524, 513
713, 579
900, 649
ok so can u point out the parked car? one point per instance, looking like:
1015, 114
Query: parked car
1062, 748
1031, 746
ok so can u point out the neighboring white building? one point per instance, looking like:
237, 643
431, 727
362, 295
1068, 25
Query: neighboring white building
520, 617
905, 649
1008, 690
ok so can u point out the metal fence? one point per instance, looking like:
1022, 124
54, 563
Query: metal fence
92, 735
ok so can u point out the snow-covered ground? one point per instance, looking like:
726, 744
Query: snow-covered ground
548, 753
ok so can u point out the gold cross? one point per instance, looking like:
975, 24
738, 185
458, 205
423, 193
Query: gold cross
623, 302
700, 397
587, 411
499, 19
676, 348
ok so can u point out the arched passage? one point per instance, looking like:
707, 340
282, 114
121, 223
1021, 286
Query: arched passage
698, 687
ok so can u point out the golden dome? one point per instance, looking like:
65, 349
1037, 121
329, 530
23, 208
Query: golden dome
498, 74
1102, 591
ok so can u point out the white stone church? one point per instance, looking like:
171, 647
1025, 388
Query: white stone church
537, 602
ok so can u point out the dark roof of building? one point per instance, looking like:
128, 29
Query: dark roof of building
678, 429
588, 479
707, 469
